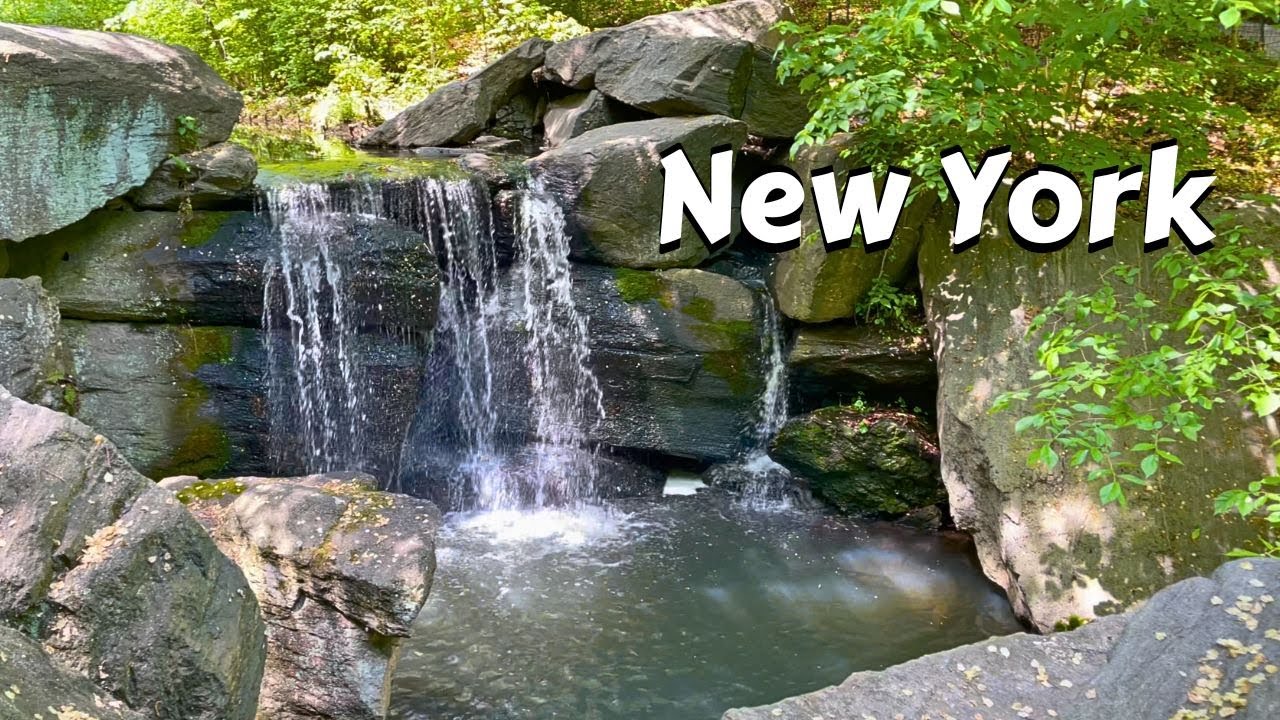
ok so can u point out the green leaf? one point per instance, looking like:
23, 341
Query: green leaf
1111, 493
953, 8
1229, 17
1150, 464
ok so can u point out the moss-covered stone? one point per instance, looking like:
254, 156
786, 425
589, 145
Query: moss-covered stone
878, 462
636, 286
210, 491
357, 167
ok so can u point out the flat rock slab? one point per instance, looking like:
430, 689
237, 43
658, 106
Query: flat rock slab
1203, 648
86, 116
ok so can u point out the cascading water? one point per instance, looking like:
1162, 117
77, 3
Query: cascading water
566, 401
315, 390
766, 481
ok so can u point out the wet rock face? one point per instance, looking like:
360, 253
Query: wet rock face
877, 462
116, 579
677, 354
841, 362
36, 686
339, 591
28, 331
212, 178
116, 96
1043, 535
460, 111
1205, 647
610, 184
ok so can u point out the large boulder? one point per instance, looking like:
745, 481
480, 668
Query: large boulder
28, 331
208, 268
37, 687
462, 110
197, 400
339, 591
678, 356
1040, 534
211, 178
609, 181
813, 285
877, 461
88, 116
116, 579
845, 362
705, 61
1204, 648
569, 117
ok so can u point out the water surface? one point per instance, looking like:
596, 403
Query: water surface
677, 609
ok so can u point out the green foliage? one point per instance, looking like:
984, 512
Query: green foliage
887, 306
608, 13
1125, 379
84, 14
1082, 83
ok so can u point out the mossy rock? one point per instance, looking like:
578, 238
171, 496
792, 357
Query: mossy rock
882, 462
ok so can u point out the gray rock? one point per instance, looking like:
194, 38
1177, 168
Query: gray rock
705, 61
207, 269
813, 285
69, 98
1201, 648
462, 110
496, 144
28, 329
833, 362
116, 579
1042, 535
879, 461
37, 686
677, 354
339, 591
571, 116
215, 177
194, 399
610, 184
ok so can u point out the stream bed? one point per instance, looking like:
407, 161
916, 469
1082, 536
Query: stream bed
677, 609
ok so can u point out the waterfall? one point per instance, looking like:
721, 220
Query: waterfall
315, 390
765, 481
566, 401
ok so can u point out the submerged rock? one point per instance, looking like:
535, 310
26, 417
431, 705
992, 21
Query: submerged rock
843, 362
609, 182
207, 179
37, 687
116, 579
462, 110
877, 461
1043, 535
715, 60
28, 330
677, 354
340, 571
1201, 648
69, 98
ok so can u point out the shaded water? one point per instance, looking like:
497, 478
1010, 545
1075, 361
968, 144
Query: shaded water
677, 609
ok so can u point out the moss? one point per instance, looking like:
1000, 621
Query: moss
637, 286
205, 451
384, 645
200, 228
4, 258
205, 491
207, 346
365, 504
700, 308
355, 167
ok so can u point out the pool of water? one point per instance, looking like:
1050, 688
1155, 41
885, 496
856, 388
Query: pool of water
677, 609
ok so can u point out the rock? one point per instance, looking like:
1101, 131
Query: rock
28, 329
496, 173
208, 269
610, 184
715, 60
116, 579
462, 110
571, 116
70, 98
1043, 535
212, 178
495, 144
1181, 655
677, 354
878, 461
843, 362
196, 400
339, 592
36, 686
813, 285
